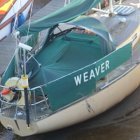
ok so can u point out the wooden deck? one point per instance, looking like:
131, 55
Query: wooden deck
8, 45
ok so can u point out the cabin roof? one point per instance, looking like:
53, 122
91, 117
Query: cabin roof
92, 25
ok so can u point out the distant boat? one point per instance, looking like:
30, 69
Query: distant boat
13, 13
82, 67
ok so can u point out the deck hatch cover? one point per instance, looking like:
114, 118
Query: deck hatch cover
123, 10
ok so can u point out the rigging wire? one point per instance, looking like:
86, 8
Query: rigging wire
29, 21
16, 15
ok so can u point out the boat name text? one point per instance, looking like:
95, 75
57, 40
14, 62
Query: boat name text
92, 73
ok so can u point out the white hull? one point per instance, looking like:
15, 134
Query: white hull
96, 104
99, 103
9, 18
79, 112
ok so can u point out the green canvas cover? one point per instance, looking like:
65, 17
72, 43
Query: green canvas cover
66, 54
65, 14
82, 82
95, 26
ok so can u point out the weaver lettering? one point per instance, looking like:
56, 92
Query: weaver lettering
92, 73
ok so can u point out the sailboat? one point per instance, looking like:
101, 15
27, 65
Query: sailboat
80, 67
13, 13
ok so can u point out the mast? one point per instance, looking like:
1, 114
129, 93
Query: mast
120, 1
111, 10
17, 63
25, 85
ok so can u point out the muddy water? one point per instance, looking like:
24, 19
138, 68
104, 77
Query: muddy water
119, 123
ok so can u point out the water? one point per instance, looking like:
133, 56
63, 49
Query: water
119, 123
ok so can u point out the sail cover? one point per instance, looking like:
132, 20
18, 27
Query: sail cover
65, 14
